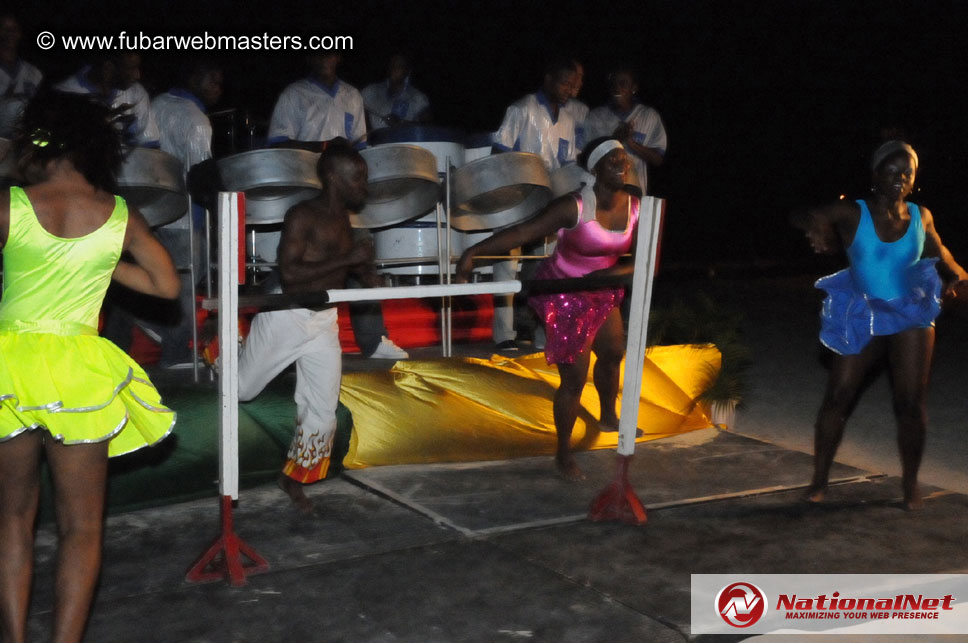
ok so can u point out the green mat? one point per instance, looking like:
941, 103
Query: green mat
185, 465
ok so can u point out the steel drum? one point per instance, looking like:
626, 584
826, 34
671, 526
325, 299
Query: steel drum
402, 185
418, 238
476, 146
442, 142
153, 182
273, 180
499, 190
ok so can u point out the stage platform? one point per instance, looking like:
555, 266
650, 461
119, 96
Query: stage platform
501, 551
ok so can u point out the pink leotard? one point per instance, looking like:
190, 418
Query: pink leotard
572, 318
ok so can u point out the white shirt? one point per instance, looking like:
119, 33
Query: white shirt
647, 130
142, 130
17, 85
408, 104
529, 127
186, 132
578, 111
307, 111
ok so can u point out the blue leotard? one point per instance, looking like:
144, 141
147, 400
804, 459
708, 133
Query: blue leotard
880, 268
887, 289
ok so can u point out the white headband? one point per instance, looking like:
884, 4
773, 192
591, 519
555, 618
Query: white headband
892, 147
601, 150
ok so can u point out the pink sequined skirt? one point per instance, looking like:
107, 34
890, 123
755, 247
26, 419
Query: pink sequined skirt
571, 319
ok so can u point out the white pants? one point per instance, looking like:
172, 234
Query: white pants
311, 340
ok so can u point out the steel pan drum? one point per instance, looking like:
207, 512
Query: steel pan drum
417, 238
403, 184
273, 181
442, 142
153, 182
498, 191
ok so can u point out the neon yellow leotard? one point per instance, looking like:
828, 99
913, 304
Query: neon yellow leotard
56, 373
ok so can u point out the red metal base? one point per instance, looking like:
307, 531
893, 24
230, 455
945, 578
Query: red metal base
618, 502
222, 560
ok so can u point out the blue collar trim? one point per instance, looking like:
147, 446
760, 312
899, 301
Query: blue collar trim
543, 99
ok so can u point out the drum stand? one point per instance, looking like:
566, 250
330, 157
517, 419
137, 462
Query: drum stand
443, 269
193, 277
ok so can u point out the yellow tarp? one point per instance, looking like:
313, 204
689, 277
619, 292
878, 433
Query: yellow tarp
463, 410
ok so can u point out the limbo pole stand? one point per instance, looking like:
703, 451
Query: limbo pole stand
618, 501
224, 557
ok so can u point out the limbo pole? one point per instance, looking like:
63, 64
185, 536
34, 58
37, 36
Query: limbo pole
618, 501
223, 558
379, 293
647, 245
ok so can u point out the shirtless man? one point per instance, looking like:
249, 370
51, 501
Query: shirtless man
316, 253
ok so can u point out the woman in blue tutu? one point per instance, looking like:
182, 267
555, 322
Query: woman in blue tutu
65, 392
885, 303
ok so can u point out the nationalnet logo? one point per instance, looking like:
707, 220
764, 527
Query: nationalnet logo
741, 604
830, 603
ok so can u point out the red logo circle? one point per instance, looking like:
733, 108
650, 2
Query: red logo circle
741, 604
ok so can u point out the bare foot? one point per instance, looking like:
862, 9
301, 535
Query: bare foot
295, 492
608, 423
815, 494
606, 427
913, 501
568, 468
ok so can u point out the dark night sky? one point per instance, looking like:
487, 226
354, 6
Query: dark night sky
768, 105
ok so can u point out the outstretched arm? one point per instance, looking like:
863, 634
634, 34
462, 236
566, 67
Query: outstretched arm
152, 272
560, 213
933, 247
828, 228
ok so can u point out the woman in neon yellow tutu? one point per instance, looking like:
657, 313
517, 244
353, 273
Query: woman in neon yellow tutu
65, 391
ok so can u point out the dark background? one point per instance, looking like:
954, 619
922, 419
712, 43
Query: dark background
768, 105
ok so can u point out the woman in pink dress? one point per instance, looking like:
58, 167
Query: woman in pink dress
595, 226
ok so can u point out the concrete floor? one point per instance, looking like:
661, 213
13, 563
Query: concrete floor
503, 552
